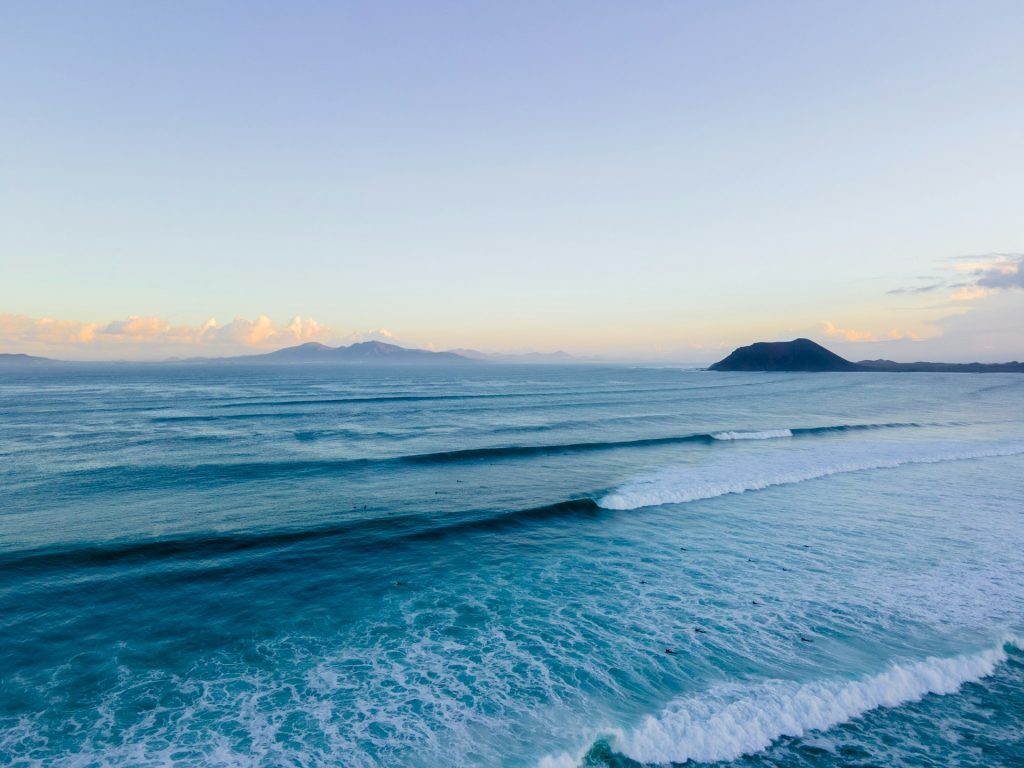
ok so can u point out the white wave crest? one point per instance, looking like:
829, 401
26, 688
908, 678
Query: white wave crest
728, 724
722, 474
731, 721
767, 434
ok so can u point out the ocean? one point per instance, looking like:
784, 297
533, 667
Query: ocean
497, 565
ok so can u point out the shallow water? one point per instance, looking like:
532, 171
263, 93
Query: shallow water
501, 565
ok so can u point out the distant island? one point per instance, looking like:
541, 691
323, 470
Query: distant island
804, 355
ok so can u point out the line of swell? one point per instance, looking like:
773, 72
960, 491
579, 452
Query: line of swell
857, 427
430, 398
511, 451
121, 476
368, 531
681, 390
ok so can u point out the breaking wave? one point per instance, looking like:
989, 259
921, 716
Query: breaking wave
723, 474
768, 434
730, 721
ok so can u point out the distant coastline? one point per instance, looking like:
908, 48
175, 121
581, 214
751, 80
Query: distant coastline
804, 355
798, 355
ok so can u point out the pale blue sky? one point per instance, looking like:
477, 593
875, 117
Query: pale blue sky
642, 179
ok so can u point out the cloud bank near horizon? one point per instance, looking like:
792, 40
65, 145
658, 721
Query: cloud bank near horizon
146, 337
983, 287
981, 314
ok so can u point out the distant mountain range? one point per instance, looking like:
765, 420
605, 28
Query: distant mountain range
361, 353
806, 355
364, 352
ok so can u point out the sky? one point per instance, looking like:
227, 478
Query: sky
643, 181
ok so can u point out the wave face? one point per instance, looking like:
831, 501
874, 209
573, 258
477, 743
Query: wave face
719, 476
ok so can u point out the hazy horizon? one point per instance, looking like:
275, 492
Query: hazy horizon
655, 552
662, 182
525, 356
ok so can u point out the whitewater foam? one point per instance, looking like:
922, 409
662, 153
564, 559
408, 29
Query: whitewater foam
767, 434
731, 721
722, 474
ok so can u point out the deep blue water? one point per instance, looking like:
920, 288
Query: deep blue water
515, 566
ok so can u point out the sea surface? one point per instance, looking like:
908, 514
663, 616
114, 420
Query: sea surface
498, 565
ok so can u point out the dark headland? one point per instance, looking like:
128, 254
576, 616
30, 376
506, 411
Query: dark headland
807, 356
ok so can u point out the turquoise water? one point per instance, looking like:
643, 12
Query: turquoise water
515, 566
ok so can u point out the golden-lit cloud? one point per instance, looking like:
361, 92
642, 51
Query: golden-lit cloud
850, 334
969, 293
22, 332
45, 330
997, 263
250, 333
306, 329
990, 273
137, 327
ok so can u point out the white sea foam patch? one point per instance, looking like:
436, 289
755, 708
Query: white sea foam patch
731, 721
719, 474
768, 434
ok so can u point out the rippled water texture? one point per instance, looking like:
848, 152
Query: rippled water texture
515, 566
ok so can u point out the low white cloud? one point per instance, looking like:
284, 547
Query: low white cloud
380, 334
149, 336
